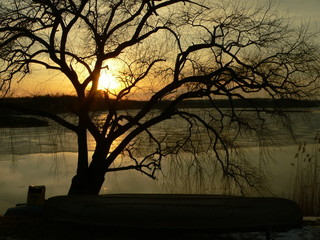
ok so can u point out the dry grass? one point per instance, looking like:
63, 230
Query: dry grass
306, 178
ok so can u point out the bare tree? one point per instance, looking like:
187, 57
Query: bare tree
169, 51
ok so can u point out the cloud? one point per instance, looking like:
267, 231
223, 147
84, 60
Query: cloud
302, 10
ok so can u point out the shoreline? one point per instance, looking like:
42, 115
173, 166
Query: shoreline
34, 228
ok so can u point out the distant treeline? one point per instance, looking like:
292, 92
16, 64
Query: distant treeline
66, 103
16, 121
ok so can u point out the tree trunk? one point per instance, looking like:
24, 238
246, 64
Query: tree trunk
90, 185
79, 181
89, 179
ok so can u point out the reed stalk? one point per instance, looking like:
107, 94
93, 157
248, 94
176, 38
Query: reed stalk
306, 178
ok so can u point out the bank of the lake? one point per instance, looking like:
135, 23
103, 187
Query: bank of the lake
40, 229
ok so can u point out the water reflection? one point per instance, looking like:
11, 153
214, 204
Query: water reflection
47, 156
52, 170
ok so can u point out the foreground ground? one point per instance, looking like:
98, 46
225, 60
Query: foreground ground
34, 228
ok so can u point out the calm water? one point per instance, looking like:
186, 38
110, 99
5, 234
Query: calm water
47, 156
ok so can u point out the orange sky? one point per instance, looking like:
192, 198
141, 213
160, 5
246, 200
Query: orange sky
43, 81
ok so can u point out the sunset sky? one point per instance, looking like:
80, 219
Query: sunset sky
52, 82
302, 9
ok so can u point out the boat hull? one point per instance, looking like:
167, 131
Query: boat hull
176, 211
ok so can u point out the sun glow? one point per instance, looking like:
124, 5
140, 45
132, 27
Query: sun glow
108, 81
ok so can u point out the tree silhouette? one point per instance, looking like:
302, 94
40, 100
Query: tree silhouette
168, 52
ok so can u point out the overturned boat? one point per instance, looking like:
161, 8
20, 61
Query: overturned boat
176, 211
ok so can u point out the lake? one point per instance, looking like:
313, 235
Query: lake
47, 156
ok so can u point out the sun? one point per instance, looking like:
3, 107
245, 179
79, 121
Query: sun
108, 81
